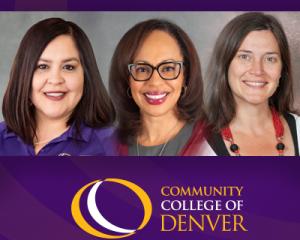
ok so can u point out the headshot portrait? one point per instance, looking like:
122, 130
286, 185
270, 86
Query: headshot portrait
55, 102
150, 84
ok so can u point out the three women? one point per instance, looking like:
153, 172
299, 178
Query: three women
61, 106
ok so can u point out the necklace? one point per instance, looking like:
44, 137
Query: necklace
164, 145
279, 131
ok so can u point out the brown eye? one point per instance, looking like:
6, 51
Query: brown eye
141, 69
168, 69
42, 66
244, 57
271, 59
69, 67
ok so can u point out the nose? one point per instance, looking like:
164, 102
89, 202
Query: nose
257, 67
55, 76
155, 78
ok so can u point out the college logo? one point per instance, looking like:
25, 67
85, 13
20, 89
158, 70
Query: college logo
94, 215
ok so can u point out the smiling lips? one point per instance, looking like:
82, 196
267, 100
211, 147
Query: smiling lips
255, 84
55, 96
155, 98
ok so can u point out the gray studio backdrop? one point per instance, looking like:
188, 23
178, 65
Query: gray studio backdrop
105, 29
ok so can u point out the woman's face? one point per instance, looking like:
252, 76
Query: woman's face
57, 83
156, 96
255, 70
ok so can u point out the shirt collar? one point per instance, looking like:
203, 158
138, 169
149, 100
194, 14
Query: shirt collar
85, 134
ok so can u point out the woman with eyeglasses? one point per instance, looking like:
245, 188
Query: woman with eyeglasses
250, 104
56, 103
156, 85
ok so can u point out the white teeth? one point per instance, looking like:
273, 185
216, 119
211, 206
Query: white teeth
55, 94
255, 84
157, 96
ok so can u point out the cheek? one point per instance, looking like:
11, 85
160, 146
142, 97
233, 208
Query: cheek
79, 87
75, 84
36, 85
275, 74
177, 84
37, 82
134, 87
234, 72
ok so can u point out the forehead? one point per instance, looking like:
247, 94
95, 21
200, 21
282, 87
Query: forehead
158, 46
262, 40
61, 46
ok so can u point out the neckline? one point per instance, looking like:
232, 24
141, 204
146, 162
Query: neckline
216, 142
165, 145
279, 133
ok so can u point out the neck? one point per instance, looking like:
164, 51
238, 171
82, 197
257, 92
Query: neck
158, 130
252, 119
46, 131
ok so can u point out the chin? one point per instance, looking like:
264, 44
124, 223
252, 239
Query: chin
257, 101
54, 116
154, 113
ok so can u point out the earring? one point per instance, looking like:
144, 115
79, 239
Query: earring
183, 91
129, 92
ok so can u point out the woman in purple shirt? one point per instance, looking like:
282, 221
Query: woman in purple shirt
55, 102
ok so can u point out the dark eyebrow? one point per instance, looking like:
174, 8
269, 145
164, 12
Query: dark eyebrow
146, 62
277, 53
64, 61
245, 51
169, 60
71, 59
141, 61
248, 51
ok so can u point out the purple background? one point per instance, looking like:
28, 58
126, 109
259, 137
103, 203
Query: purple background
153, 5
36, 194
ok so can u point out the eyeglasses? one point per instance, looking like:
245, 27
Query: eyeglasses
169, 70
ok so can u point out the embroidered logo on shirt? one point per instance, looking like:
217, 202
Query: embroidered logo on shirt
64, 154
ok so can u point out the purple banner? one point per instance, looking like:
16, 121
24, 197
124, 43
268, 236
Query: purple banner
189, 198
154, 5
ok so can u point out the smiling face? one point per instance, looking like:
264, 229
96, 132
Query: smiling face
57, 83
156, 96
255, 70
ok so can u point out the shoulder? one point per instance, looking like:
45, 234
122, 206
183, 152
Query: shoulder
197, 144
293, 119
103, 133
297, 121
107, 138
3, 130
296, 117
2, 126
10, 143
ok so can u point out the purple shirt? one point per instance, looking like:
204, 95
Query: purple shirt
92, 142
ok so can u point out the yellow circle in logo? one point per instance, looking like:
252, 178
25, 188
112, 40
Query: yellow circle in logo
84, 225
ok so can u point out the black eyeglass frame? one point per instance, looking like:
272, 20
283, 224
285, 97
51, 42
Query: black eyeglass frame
180, 63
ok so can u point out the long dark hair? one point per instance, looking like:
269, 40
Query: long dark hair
190, 105
95, 108
220, 105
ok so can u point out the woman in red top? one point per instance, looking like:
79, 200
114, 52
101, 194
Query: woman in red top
251, 92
